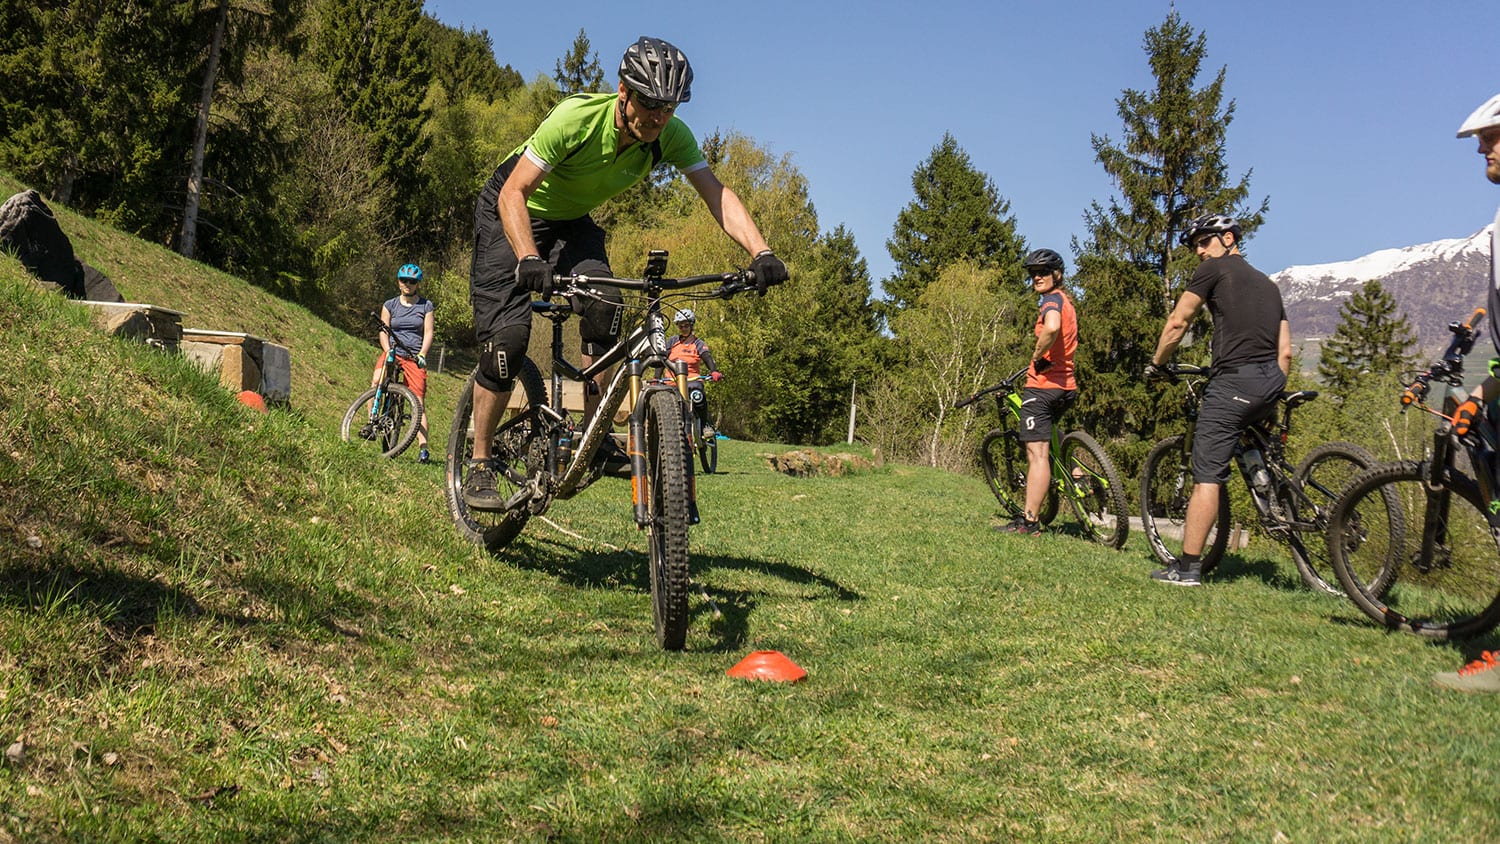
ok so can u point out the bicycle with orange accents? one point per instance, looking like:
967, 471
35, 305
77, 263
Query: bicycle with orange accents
1430, 566
541, 453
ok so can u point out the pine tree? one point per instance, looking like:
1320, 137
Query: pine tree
1169, 167
957, 215
377, 62
1371, 337
578, 71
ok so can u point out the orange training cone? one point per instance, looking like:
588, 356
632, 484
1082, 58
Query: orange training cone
252, 400
767, 665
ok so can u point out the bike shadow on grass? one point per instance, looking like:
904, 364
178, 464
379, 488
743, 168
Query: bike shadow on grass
729, 609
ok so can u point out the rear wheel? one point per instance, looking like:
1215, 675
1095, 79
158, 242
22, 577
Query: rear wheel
1434, 569
392, 421
1093, 488
1166, 486
1324, 473
666, 495
708, 447
518, 451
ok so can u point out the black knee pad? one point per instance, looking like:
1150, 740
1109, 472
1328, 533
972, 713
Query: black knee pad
500, 358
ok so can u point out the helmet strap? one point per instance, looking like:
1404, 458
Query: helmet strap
625, 121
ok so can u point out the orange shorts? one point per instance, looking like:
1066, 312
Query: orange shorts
416, 376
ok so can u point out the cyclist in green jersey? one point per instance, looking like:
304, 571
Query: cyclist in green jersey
532, 220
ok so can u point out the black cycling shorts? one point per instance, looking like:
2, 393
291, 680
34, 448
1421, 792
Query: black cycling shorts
1041, 408
1232, 402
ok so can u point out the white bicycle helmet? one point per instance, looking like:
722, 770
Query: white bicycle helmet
686, 315
1483, 118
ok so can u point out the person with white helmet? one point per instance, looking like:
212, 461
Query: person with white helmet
689, 348
1483, 673
532, 220
1252, 354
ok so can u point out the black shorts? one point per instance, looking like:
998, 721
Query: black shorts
1232, 402
571, 246
1041, 408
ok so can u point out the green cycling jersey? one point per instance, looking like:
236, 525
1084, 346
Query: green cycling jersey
576, 147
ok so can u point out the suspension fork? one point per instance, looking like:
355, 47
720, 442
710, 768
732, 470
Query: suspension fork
1438, 501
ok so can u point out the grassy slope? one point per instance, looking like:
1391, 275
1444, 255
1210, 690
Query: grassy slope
217, 624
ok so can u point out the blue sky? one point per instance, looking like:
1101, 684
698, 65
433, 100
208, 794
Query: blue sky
1345, 111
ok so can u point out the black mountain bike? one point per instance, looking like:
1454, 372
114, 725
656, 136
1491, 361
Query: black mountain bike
386, 415
1292, 504
541, 453
1082, 473
1433, 568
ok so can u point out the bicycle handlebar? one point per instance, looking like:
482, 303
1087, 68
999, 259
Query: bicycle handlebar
1007, 384
1450, 364
731, 283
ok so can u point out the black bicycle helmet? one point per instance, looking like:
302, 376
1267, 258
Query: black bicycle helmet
1209, 224
656, 70
1044, 258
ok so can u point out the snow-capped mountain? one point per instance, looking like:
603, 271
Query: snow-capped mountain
1433, 283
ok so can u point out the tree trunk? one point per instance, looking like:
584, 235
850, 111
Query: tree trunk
188, 242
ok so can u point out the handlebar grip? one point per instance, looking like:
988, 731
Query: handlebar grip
1474, 320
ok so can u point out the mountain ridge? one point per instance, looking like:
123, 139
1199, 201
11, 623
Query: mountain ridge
1433, 284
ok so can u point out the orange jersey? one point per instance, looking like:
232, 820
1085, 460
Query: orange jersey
1059, 376
693, 352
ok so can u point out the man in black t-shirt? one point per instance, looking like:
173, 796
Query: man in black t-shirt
1252, 352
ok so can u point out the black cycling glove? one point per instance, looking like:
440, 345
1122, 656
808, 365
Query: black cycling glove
1040, 365
534, 274
768, 270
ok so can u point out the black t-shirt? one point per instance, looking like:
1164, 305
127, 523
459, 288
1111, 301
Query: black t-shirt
1246, 308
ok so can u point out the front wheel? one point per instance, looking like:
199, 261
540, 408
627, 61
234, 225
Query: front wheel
665, 489
1324, 473
1002, 456
1166, 487
1433, 569
1092, 486
518, 451
389, 423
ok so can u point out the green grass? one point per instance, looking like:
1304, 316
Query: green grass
221, 625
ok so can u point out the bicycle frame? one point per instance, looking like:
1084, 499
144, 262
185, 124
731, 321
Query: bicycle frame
643, 350
1440, 466
1008, 401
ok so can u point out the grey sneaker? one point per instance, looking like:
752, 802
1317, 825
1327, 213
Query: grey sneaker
1481, 675
1021, 526
1177, 574
479, 487
423, 456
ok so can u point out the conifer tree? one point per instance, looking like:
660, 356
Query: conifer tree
1168, 167
377, 62
1371, 337
957, 215
578, 70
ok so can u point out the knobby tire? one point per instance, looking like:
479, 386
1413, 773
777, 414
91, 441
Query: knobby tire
518, 441
1166, 486
395, 423
1094, 490
666, 494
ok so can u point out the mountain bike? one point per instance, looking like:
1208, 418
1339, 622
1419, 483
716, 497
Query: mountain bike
540, 453
1082, 472
1433, 568
386, 415
1292, 505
